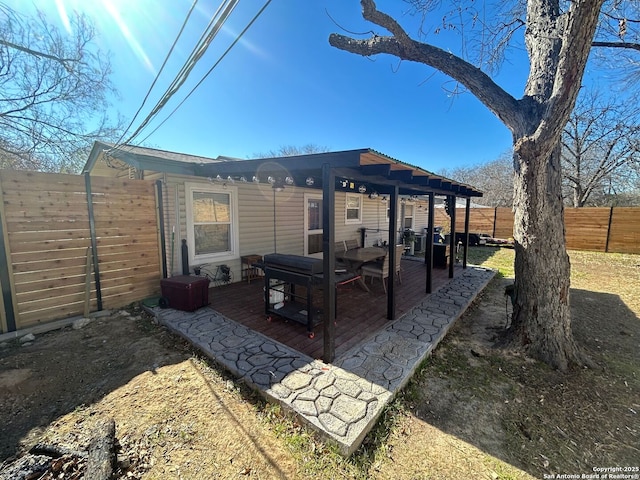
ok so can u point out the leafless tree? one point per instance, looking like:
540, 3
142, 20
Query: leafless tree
558, 39
292, 150
494, 179
53, 93
600, 147
617, 39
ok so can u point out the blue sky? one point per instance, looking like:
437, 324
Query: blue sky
283, 84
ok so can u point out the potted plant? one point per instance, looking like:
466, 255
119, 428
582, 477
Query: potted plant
409, 237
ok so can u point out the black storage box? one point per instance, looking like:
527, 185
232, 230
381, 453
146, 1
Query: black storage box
185, 292
440, 254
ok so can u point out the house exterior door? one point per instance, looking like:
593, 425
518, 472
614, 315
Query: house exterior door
313, 225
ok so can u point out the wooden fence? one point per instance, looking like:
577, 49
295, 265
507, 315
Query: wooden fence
72, 244
597, 229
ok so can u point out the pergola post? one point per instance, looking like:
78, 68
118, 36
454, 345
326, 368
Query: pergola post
452, 238
428, 254
466, 232
328, 261
393, 239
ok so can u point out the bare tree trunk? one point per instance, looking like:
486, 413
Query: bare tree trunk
541, 316
558, 42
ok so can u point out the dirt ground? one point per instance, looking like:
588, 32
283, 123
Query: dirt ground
471, 412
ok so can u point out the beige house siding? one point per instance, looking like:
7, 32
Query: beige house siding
289, 222
256, 218
118, 170
376, 222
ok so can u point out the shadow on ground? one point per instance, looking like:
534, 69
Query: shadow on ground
61, 371
522, 412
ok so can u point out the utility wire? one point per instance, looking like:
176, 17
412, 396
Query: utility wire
198, 50
210, 33
166, 59
211, 69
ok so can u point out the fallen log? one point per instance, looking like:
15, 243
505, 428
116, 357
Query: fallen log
101, 459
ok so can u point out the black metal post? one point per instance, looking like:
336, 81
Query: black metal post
94, 241
328, 261
393, 240
363, 236
606, 245
5, 281
185, 257
466, 232
275, 248
452, 238
428, 254
163, 241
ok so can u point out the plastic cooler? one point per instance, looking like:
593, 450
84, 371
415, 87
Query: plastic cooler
185, 292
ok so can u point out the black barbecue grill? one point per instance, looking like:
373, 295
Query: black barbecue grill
282, 272
294, 263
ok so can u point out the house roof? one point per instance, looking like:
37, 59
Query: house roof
368, 167
144, 158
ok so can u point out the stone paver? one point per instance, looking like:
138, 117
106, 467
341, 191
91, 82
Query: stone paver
342, 400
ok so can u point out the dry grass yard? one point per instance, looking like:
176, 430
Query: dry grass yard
471, 412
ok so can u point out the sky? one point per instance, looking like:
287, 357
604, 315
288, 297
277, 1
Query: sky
283, 84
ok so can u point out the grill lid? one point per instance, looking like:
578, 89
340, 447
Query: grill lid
296, 263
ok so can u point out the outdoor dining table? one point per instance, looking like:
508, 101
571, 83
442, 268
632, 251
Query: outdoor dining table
356, 257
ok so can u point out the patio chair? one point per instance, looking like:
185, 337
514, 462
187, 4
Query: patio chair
339, 248
351, 244
381, 270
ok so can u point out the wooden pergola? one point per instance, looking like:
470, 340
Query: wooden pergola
377, 172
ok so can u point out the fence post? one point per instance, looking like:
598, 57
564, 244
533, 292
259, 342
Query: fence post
606, 245
160, 213
5, 271
495, 219
94, 241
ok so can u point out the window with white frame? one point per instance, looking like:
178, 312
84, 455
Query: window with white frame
353, 209
212, 222
408, 216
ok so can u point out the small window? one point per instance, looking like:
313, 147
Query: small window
408, 216
353, 209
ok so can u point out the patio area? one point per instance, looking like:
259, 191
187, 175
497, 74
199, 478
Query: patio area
359, 313
341, 400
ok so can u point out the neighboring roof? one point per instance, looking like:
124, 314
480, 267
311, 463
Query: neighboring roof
460, 203
364, 166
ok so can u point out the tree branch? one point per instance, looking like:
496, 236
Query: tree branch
577, 34
402, 46
630, 45
62, 61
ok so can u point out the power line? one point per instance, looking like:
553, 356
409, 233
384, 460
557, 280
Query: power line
214, 26
146, 97
211, 69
